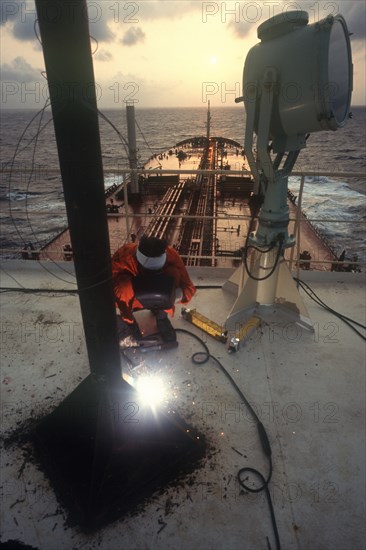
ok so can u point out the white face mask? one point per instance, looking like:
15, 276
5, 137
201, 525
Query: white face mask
151, 263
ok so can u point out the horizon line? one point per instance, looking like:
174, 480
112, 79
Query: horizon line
234, 105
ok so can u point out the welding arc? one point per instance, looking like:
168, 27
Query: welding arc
202, 357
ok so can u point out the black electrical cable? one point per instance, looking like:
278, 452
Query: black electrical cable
46, 290
207, 287
266, 446
322, 303
38, 290
273, 269
12, 163
31, 176
347, 320
121, 137
262, 251
76, 291
145, 140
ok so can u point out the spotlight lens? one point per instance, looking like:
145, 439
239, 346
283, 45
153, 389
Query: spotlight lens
339, 74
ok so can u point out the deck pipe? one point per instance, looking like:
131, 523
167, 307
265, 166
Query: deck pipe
64, 32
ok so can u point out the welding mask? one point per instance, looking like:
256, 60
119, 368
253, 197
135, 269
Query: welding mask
154, 290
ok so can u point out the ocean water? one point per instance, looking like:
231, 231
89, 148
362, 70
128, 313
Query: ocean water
32, 206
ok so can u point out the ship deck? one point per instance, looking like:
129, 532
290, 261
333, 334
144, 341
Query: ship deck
171, 196
308, 389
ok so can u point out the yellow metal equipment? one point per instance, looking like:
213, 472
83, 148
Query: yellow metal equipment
210, 327
243, 333
219, 332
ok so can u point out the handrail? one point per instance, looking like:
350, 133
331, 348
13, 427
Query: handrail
119, 171
205, 257
298, 220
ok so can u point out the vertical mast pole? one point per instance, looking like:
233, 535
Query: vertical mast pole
132, 147
65, 39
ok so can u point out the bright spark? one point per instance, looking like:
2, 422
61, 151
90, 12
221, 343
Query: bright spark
151, 391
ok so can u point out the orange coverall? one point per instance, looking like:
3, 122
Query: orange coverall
125, 266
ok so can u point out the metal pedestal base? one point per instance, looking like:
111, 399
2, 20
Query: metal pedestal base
275, 299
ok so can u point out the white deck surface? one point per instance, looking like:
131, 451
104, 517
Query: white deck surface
308, 390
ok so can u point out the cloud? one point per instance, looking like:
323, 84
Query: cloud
240, 29
100, 31
19, 70
24, 30
241, 19
133, 36
171, 9
20, 18
10, 11
103, 55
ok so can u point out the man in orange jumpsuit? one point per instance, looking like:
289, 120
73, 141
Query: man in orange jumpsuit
150, 258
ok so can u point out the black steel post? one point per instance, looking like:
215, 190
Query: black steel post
102, 461
64, 33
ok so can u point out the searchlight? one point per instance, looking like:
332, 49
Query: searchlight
297, 80
308, 69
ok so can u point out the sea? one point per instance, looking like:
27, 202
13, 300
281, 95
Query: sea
32, 206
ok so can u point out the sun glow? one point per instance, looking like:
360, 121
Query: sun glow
213, 60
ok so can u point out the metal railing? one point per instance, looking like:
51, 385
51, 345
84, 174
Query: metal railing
298, 220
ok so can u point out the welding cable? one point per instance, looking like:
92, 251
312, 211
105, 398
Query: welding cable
202, 357
347, 320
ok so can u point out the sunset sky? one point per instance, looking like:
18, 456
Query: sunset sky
162, 53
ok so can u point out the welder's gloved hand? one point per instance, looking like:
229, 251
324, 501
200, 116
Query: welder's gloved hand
128, 329
180, 297
134, 331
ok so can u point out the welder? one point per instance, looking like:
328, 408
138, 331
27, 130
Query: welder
149, 275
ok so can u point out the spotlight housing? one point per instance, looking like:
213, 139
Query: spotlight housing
311, 69
296, 81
